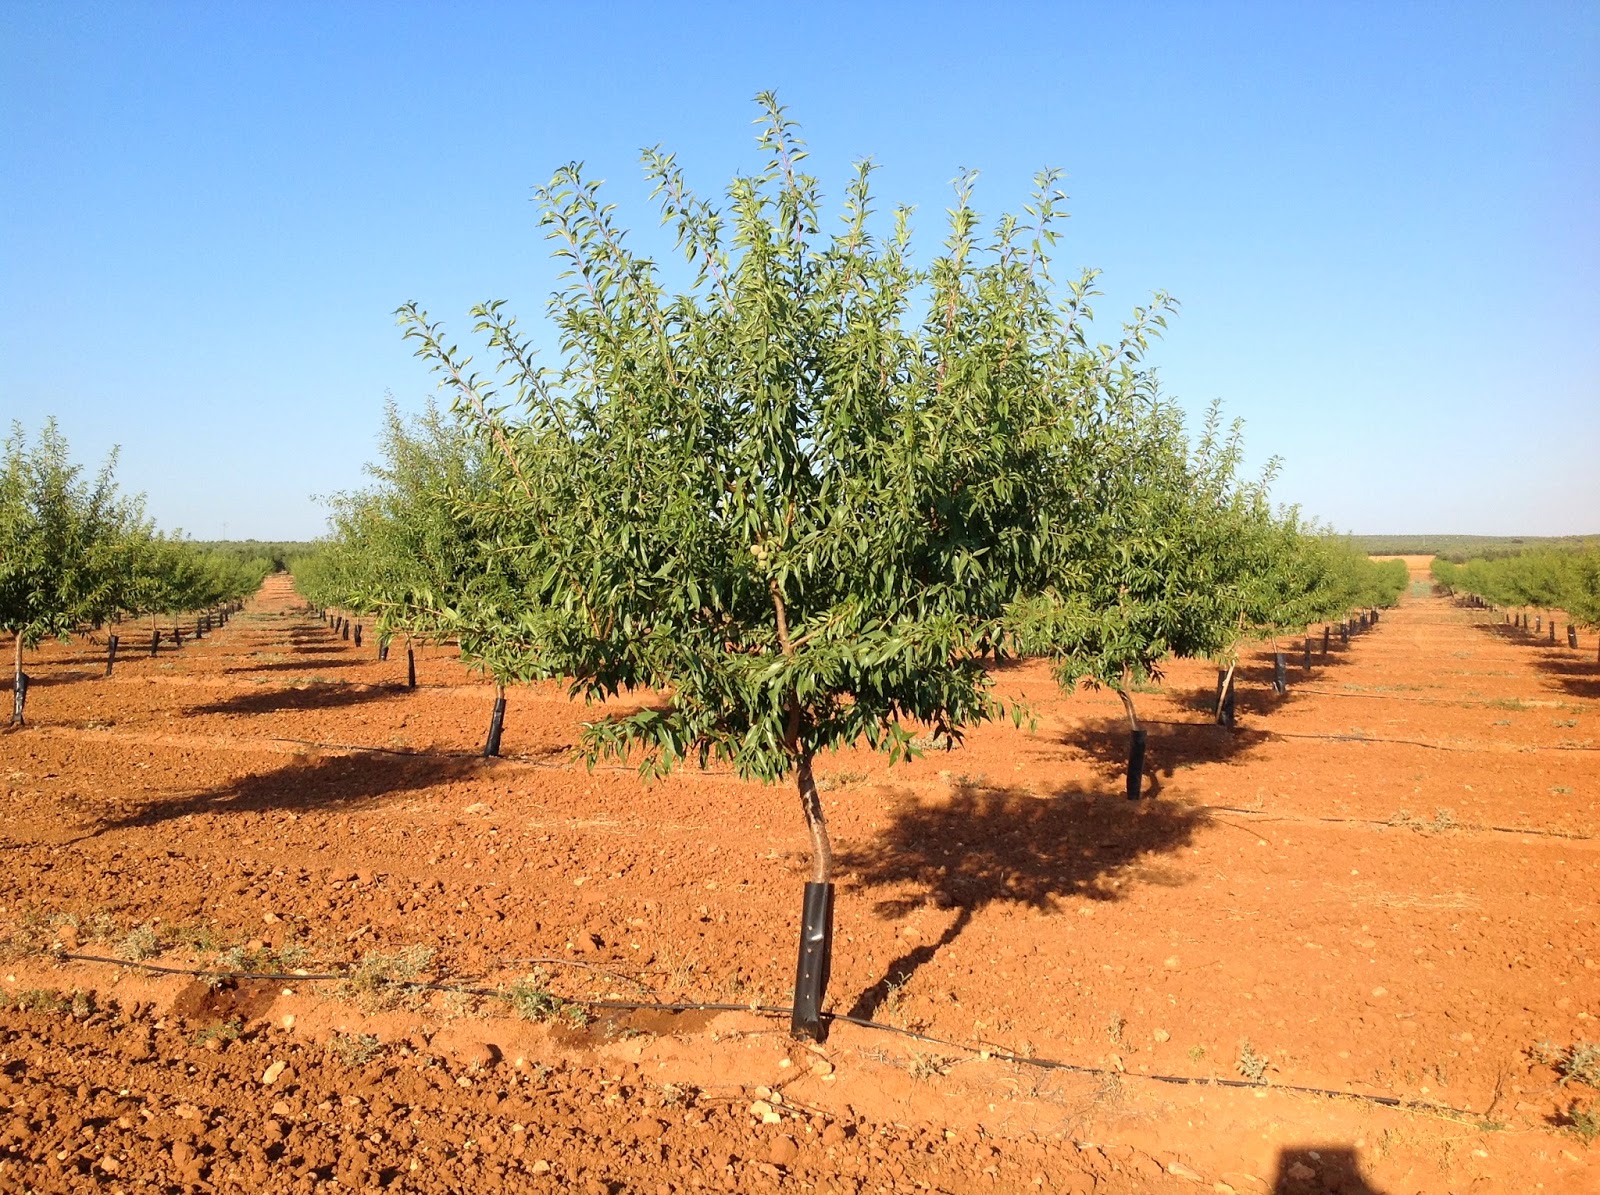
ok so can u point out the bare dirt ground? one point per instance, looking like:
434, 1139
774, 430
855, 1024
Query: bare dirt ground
1383, 884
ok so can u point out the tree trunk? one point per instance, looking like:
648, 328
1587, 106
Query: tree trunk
816, 824
1136, 741
816, 915
497, 721
19, 693
1225, 696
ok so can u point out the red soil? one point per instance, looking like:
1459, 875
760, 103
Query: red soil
1384, 883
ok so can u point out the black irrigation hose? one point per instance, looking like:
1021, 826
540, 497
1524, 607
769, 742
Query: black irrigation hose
1372, 738
1485, 702
1387, 1101
1392, 825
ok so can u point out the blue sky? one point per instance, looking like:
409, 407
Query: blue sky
1382, 220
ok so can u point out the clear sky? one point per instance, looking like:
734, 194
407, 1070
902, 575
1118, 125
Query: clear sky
1383, 220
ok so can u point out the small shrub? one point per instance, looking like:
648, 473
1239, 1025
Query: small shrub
385, 980
1584, 1121
143, 943
1581, 1065
1196, 1053
355, 1049
1251, 1065
530, 1001
35, 1000
1545, 1053
229, 1030
927, 1066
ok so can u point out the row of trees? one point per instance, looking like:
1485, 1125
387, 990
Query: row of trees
809, 497
1566, 580
75, 551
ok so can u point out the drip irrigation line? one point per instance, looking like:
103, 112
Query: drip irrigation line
1393, 825
1367, 738
774, 1010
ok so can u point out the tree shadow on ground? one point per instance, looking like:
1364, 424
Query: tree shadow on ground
311, 697
1168, 746
1575, 671
1318, 1169
295, 665
980, 846
342, 782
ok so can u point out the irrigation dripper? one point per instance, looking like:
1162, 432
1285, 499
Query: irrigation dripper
816, 957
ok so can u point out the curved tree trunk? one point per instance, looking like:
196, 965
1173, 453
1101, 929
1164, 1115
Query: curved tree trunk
1136, 741
816, 823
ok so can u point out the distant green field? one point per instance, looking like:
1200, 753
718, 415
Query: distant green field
1466, 547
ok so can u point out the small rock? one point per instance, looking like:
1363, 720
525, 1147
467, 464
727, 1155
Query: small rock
784, 1151
476, 807
1171, 964
480, 1055
1379, 993
1300, 1172
1182, 1171
834, 1134
650, 1128
760, 1108
822, 1066
540, 1167
273, 1073
1162, 1035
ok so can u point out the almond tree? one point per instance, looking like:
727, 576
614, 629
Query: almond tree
58, 538
409, 551
797, 499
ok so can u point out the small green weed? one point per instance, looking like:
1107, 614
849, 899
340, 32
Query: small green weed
35, 1000
1584, 1122
531, 1001
1581, 1065
142, 943
1251, 1065
927, 1066
386, 980
229, 1030
355, 1049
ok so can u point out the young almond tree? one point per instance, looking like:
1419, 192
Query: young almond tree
409, 551
58, 539
797, 499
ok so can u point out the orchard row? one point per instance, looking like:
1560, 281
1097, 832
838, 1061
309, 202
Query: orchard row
75, 552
